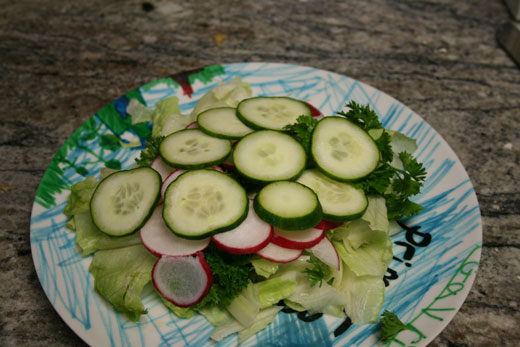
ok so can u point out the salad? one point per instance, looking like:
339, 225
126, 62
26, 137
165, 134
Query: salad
247, 206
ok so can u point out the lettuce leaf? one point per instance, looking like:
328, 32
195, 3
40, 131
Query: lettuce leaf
181, 312
167, 117
226, 94
90, 239
79, 198
364, 296
138, 112
264, 267
120, 276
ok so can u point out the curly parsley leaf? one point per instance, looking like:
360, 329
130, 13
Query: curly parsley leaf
362, 116
230, 276
394, 184
318, 272
303, 129
150, 152
390, 326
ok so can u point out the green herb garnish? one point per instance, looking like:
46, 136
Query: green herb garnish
150, 152
303, 130
230, 276
318, 272
394, 184
391, 326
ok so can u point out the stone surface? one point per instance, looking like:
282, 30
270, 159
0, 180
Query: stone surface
61, 61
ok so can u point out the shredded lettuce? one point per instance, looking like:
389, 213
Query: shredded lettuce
120, 275
215, 315
262, 320
181, 312
245, 306
138, 112
226, 94
90, 239
364, 296
79, 198
167, 117
264, 267
401, 143
273, 290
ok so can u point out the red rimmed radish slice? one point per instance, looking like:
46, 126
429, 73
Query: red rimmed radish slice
176, 173
326, 252
192, 125
170, 179
161, 167
279, 254
160, 241
301, 239
314, 111
228, 163
327, 225
184, 281
250, 236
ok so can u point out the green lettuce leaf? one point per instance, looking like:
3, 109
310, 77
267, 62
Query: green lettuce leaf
364, 296
90, 239
167, 117
226, 94
120, 276
138, 112
79, 198
264, 267
181, 312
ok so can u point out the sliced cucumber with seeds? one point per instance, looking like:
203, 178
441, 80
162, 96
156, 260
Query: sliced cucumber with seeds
124, 200
193, 149
340, 201
222, 122
268, 155
201, 203
342, 150
271, 112
288, 205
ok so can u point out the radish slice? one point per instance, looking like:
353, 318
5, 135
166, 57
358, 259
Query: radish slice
171, 177
159, 240
250, 236
301, 239
192, 125
161, 167
279, 254
326, 252
314, 111
184, 281
228, 163
327, 225
176, 173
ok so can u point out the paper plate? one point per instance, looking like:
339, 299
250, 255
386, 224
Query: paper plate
435, 258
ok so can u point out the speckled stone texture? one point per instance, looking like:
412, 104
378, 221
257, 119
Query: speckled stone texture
61, 61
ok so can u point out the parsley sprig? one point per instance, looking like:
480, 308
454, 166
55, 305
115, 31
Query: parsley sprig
303, 130
390, 326
394, 184
230, 276
150, 152
318, 272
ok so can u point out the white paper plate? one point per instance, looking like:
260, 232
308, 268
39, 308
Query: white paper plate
429, 278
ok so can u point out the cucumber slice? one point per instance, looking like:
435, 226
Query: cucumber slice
342, 150
191, 149
124, 200
340, 201
288, 205
222, 122
273, 112
201, 203
268, 155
